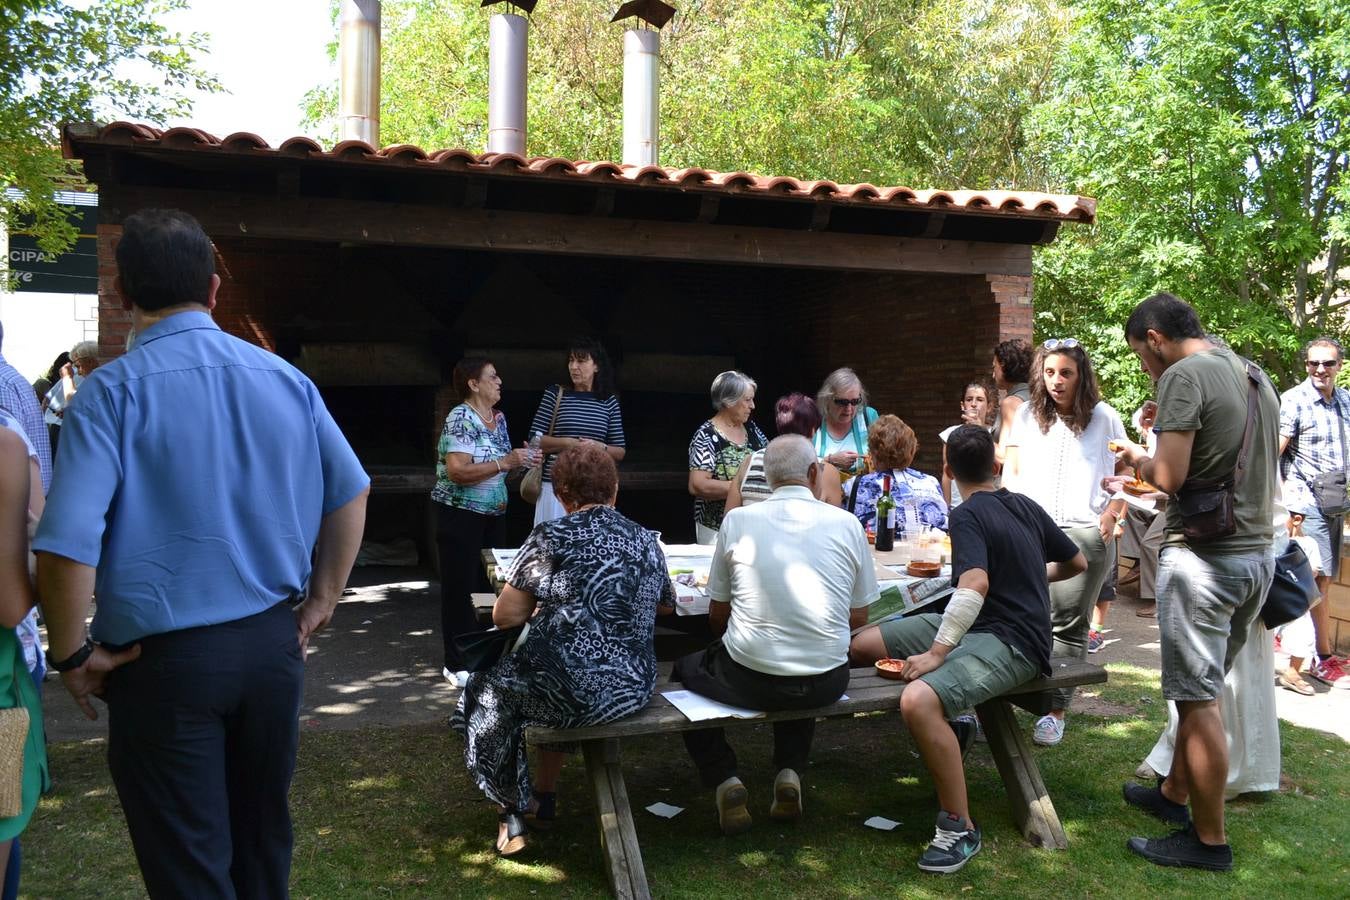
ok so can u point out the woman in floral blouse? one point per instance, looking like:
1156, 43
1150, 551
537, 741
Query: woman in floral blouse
472, 459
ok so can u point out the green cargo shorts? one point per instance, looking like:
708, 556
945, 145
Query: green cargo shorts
980, 667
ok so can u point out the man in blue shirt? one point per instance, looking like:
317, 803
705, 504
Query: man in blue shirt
209, 472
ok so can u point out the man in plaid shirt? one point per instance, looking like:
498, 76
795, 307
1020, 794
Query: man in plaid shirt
1314, 433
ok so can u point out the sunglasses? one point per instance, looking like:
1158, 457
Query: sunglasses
1060, 343
840, 401
1322, 363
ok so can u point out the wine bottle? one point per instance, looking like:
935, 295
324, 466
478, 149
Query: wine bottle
885, 516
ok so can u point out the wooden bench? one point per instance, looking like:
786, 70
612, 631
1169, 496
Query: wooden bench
1031, 806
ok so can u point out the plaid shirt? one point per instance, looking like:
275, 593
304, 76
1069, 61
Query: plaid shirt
18, 399
1314, 428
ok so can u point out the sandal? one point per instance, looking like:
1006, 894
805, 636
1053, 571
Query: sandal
510, 834
1296, 684
545, 809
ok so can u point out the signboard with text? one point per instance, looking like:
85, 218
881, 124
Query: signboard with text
72, 272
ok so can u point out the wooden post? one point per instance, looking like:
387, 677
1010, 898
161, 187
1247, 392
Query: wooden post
618, 834
1031, 806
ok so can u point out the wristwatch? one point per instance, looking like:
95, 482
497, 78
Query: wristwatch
74, 660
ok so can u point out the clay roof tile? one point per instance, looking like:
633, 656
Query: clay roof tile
244, 141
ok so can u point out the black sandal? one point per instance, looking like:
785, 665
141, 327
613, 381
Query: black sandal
515, 840
545, 810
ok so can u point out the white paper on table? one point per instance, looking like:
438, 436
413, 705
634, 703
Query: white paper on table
1137, 502
690, 601
665, 810
503, 558
698, 708
687, 550
881, 823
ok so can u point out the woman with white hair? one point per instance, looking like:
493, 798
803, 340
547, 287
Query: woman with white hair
83, 360
841, 439
718, 448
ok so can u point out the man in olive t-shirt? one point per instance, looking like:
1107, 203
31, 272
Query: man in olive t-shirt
1208, 592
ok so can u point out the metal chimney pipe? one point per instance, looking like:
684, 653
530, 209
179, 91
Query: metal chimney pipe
359, 62
641, 103
508, 37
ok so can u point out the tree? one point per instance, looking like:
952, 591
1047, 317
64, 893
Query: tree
850, 90
1215, 136
60, 63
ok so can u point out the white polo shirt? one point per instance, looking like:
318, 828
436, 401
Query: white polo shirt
791, 567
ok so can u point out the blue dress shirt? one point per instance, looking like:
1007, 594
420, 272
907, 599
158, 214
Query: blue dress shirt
195, 471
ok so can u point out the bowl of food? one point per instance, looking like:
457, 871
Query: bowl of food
890, 668
923, 569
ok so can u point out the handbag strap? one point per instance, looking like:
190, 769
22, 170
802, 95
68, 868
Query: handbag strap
853, 495
1253, 384
1340, 421
557, 405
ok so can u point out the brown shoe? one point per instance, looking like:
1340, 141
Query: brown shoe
733, 815
787, 797
1148, 612
510, 834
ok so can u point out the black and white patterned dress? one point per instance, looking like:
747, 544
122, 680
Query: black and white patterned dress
588, 658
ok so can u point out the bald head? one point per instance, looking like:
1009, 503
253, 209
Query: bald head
788, 460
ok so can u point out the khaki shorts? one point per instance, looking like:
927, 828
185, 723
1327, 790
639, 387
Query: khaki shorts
980, 667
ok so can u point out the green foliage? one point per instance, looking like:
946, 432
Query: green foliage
64, 62
1214, 135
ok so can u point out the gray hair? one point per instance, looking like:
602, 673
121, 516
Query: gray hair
84, 350
788, 457
729, 387
836, 381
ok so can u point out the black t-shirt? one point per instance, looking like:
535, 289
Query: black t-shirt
1011, 538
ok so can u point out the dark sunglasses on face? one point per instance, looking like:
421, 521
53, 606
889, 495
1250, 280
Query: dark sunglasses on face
1322, 363
1060, 343
840, 401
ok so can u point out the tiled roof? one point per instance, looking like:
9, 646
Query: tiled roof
1011, 203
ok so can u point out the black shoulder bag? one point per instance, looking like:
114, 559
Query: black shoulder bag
1292, 590
1206, 504
1328, 489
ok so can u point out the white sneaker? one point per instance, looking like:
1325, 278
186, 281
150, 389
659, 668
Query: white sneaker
1048, 732
456, 679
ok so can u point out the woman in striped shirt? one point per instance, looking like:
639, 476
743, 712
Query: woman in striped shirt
589, 411
793, 414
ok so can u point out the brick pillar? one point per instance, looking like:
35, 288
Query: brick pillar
114, 322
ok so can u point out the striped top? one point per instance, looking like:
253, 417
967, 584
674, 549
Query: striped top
582, 415
754, 486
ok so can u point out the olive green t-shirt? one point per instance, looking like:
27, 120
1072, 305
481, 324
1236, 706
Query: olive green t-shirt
1206, 392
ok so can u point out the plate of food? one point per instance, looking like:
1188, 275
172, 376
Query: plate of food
890, 668
924, 569
1139, 487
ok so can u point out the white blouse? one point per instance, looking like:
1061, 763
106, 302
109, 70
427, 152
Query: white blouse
1063, 471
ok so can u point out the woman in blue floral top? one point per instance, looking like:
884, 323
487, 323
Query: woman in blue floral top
918, 497
472, 459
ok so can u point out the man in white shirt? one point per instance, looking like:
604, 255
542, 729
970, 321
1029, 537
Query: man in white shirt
791, 577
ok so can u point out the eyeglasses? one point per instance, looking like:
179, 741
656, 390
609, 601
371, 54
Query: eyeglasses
1322, 363
840, 401
1060, 343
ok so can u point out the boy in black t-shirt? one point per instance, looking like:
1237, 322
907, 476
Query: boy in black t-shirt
993, 636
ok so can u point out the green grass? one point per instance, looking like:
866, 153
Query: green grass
390, 812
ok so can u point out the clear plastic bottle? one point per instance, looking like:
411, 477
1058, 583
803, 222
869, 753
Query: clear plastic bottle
535, 456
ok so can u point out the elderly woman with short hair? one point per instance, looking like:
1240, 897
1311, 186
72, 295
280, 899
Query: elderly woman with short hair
719, 447
842, 439
793, 414
918, 497
83, 360
589, 584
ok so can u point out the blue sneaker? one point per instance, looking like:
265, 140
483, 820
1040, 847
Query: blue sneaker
952, 847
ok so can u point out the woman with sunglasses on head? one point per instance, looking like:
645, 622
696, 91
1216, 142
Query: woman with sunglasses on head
841, 439
1057, 455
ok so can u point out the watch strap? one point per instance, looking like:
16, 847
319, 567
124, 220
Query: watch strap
75, 660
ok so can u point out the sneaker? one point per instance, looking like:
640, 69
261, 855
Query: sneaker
787, 797
1095, 641
733, 816
965, 728
1152, 801
1183, 848
1048, 732
952, 847
456, 679
1331, 670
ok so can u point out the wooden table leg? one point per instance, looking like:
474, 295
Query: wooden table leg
618, 835
1031, 806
